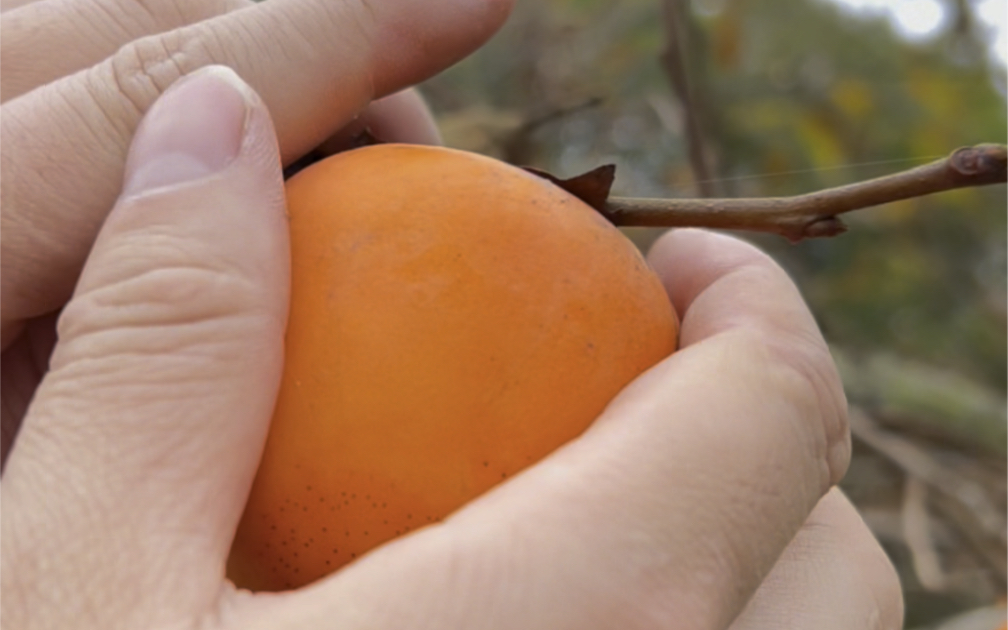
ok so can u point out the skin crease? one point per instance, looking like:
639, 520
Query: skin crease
700, 498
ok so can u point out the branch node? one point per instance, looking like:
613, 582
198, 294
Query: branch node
981, 159
823, 226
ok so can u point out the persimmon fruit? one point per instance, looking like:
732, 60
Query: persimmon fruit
453, 319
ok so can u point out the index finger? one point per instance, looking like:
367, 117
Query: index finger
316, 63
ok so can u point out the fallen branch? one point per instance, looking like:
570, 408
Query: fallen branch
815, 214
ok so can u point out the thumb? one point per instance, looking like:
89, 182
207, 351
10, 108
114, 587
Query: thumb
135, 459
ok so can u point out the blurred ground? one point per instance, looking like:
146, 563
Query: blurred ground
785, 97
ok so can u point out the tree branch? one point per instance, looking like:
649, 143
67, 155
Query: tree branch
815, 214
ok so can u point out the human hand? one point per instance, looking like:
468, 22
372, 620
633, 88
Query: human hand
130, 473
139, 447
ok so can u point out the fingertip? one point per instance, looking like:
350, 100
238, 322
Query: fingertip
403, 117
688, 260
446, 31
880, 582
496, 13
170, 148
838, 572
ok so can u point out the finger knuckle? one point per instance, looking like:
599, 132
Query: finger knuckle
878, 584
798, 369
801, 364
143, 69
803, 359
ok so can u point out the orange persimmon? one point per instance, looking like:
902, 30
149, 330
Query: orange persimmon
453, 319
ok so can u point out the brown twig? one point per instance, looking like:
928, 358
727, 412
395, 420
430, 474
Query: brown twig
815, 214
674, 62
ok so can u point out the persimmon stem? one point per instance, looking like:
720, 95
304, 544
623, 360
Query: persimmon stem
815, 214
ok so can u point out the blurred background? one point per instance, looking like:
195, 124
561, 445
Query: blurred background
781, 97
